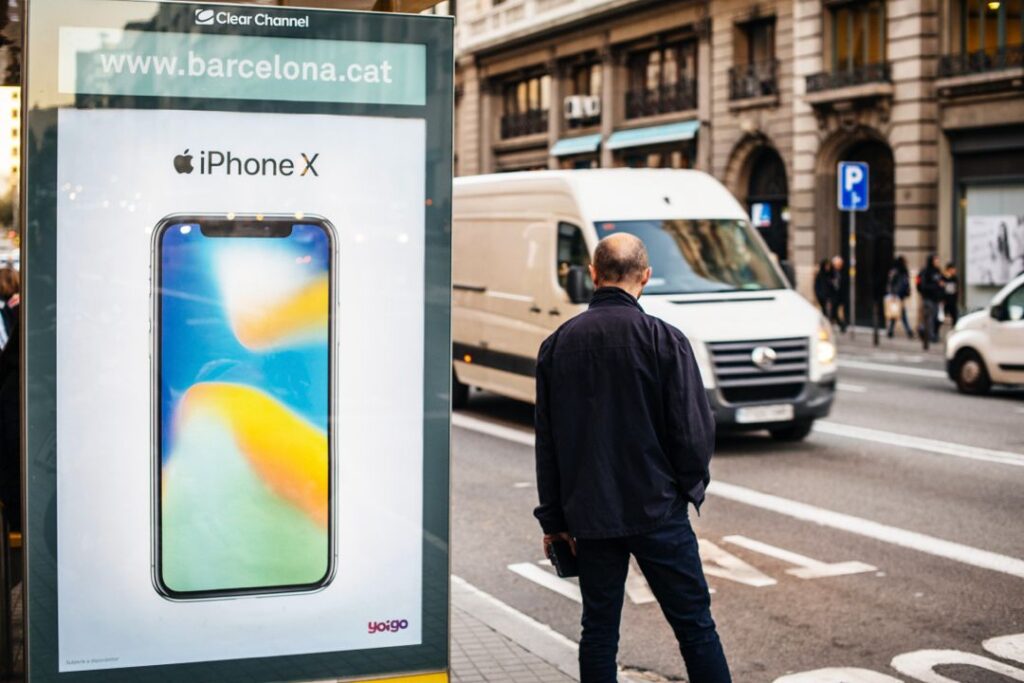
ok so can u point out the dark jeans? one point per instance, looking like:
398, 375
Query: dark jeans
930, 325
669, 559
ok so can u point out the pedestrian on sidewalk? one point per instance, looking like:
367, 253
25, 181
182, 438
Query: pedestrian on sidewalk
839, 294
823, 286
951, 293
931, 289
897, 290
624, 439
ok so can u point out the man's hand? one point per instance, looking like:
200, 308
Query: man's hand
562, 536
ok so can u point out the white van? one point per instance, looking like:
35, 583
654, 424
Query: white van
521, 244
987, 346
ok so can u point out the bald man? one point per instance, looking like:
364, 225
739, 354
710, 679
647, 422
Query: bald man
624, 440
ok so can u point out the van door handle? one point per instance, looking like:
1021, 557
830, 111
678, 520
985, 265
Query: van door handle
554, 311
534, 309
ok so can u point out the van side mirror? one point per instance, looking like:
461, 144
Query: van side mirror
579, 285
790, 273
998, 312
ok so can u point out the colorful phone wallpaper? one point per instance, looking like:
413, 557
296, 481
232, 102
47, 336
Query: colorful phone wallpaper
244, 374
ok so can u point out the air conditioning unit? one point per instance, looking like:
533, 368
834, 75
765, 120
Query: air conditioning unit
592, 107
574, 108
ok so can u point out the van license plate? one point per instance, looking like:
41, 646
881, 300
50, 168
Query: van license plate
782, 412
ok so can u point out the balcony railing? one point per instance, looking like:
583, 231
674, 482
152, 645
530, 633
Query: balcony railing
753, 80
524, 123
859, 75
967, 63
665, 99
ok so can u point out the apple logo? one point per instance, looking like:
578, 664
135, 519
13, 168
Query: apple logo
183, 162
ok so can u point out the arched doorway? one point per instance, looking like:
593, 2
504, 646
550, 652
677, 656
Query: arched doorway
875, 229
768, 200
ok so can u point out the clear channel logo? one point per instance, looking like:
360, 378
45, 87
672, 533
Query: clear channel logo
209, 17
205, 17
214, 162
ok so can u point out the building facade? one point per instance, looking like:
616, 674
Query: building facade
769, 95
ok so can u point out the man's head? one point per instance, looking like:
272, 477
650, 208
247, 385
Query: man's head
620, 260
837, 262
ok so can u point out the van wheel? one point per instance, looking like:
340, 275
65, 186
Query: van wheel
460, 393
970, 373
794, 431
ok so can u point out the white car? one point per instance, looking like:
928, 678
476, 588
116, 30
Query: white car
987, 347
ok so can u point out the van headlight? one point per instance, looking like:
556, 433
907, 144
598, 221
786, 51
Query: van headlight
826, 344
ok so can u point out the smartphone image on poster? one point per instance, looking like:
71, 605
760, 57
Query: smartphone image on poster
243, 467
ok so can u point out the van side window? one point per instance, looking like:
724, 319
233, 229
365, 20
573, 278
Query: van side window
1015, 305
572, 251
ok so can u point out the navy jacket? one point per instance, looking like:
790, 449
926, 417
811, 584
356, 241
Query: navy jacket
624, 430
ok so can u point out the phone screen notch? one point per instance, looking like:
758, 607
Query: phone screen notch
244, 228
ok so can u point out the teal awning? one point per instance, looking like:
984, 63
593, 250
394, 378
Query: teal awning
654, 135
583, 144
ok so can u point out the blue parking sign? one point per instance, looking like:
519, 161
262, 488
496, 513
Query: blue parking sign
853, 186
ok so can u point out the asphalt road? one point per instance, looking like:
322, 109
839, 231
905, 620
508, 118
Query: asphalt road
919, 489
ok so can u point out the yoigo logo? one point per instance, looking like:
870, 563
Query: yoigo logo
393, 626
205, 17
218, 162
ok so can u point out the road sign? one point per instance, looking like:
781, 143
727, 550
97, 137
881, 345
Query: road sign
853, 186
761, 215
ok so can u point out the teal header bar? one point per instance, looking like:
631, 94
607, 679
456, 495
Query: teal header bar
97, 61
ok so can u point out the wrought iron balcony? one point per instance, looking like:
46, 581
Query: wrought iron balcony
753, 80
967, 63
524, 123
844, 78
665, 99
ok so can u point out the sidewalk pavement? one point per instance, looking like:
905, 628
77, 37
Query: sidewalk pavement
860, 341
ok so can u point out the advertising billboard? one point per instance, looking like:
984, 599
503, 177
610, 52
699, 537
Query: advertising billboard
237, 256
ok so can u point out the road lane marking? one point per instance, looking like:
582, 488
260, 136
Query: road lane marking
836, 520
725, 565
852, 388
542, 577
521, 436
1007, 647
921, 665
919, 443
838, 675
892, 369
492, 429
807, 568
637, 589
930, 545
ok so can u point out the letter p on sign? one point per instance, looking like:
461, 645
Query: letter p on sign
853, 186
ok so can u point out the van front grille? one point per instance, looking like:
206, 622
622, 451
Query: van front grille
741, 380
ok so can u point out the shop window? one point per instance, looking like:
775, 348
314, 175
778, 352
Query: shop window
525, 104
572, 251
586, 80
655, 158
754, 72
582, 105
986, 35
662, 80
858, 35
991, 26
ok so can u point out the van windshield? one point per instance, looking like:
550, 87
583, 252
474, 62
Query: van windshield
695, 256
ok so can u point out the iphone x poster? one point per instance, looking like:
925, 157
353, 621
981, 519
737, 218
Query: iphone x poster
238, 423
